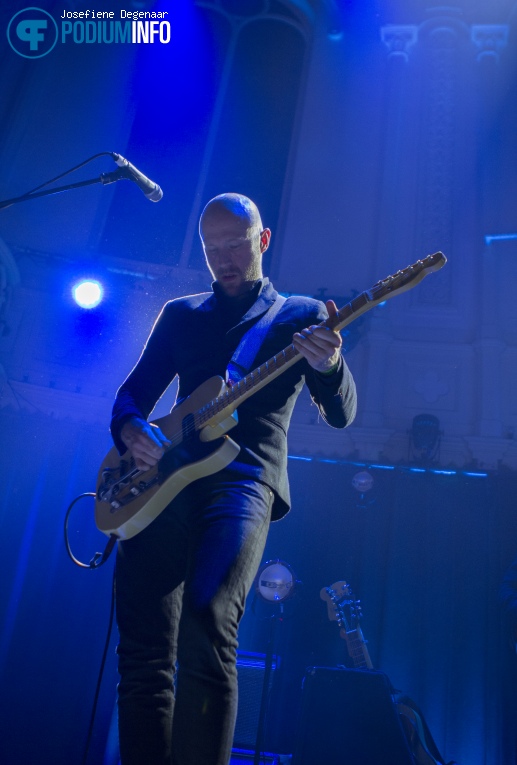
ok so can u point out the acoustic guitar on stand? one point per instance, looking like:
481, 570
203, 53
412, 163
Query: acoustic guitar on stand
128, 499
346, 611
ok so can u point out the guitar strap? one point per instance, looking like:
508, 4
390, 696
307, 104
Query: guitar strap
246, 352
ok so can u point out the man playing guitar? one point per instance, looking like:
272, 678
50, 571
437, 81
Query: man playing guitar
182, 581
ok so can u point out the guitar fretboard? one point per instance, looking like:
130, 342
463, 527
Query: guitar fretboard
357, 650
274, 366
248, 385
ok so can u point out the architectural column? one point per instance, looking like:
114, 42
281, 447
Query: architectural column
489, 40
396, 187
441, 38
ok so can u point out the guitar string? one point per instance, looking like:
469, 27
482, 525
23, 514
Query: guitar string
244, 385
219, 403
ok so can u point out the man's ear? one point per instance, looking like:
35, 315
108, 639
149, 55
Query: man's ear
265, 238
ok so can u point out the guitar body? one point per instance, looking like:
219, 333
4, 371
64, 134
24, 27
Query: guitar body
128, 499
419, 737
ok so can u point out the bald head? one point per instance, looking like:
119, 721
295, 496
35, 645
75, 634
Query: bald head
233, 239
230, 204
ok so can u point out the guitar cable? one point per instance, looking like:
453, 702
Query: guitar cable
96, 562
100, 675
99, 558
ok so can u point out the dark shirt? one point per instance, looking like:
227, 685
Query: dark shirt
195, 337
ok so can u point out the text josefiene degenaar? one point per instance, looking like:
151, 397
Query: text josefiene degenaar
134, 15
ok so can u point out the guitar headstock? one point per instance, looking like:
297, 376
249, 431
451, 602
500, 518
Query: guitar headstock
407, 278
341, 605
381, 291
346, 611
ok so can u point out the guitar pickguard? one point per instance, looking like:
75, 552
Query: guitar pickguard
211, 432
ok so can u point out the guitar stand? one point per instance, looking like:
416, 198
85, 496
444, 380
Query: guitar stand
259, 745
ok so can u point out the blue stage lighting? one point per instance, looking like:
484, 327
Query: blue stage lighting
87, 293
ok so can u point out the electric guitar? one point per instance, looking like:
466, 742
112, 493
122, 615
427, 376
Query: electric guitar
128, 499
346, 611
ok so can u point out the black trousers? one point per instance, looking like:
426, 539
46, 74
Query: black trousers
181, 587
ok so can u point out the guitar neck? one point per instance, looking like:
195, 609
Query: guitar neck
222, 406
225, 404
344, 609
357, 649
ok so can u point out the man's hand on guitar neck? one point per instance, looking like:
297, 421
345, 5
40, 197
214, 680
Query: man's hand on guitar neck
321, 346
146, 443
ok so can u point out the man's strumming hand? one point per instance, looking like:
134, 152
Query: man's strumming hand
146, 443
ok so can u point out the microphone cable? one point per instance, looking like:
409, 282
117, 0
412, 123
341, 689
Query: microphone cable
67, 172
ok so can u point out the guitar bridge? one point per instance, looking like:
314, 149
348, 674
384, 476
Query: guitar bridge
119, 488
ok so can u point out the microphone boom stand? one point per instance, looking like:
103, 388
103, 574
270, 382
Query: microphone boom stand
105, 178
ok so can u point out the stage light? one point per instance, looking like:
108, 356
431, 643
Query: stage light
362, 481
275, 581
87, 293
424, 438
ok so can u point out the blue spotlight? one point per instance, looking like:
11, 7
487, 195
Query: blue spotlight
87, 293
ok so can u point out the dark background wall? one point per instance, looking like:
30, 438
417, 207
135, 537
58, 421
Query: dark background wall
370, 134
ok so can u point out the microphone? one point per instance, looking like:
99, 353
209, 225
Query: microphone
151, 190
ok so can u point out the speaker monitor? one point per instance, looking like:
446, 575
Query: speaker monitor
348, 718
251, 674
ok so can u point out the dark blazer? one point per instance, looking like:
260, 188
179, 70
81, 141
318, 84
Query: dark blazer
191, 339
